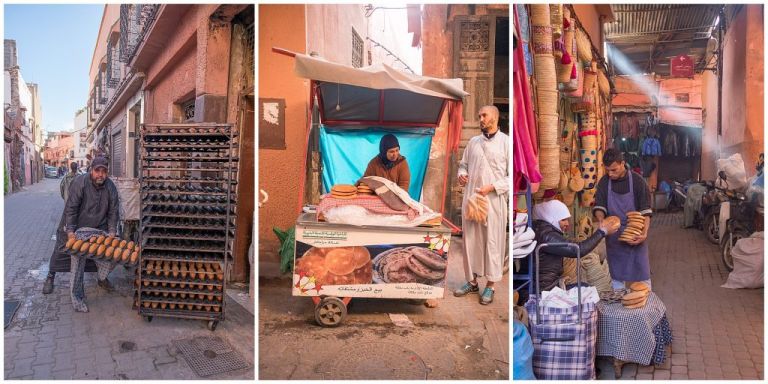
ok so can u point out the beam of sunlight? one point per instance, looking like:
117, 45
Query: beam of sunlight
624, 65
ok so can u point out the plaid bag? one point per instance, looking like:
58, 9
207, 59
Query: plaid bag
563, 348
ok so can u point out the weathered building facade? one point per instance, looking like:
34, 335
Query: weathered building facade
175, 63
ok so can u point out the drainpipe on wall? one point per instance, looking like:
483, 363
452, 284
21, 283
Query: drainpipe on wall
720, 28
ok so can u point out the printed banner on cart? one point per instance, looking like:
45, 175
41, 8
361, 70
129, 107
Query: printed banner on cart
412, 270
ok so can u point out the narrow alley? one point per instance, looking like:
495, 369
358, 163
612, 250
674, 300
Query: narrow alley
48, 340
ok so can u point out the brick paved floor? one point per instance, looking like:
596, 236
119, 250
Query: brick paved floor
718, 332
460, 339
48, 340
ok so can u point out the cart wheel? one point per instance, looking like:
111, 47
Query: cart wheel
148, 319
330, 312
212, 325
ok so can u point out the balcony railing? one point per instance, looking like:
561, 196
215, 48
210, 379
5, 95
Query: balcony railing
135, 20
113, 66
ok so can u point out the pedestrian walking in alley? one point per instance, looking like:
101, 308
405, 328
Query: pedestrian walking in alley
483, 170
618, 192
67, 180
92, 203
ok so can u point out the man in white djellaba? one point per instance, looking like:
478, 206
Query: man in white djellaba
484, 169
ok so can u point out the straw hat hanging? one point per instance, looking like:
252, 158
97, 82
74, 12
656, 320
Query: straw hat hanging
603, 84
583, 45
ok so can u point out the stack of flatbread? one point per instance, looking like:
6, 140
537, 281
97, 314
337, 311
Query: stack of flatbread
638, 295
363, 189
635, 226
477, 208
344, 191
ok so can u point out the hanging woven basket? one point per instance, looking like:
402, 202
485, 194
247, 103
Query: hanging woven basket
556, 19
548, 131
549, 167
541, 42
546, 74
547, 102
540, 14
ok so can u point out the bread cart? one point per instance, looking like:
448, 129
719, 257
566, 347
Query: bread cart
335, 262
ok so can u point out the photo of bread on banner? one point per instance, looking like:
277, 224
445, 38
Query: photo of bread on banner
409, 265
635, 227
337, 265
105, 248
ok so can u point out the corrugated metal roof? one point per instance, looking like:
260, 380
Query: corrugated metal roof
648, 34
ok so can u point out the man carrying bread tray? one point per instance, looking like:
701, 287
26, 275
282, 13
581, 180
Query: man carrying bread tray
484, 172
625, 194
93, 203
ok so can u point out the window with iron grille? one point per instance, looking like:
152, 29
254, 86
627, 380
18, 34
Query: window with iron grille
135, 20
188, 109
113, 65
102, 88
249, 38
357, 50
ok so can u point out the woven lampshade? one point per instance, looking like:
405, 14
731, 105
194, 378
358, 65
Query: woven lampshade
540, 14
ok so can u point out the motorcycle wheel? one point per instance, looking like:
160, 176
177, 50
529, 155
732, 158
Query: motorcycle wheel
712, 227
726, 246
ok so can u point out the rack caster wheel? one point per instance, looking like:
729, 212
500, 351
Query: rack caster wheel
148, 319
212, 325
330, 312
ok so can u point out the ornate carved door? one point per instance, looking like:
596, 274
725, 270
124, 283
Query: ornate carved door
474, 41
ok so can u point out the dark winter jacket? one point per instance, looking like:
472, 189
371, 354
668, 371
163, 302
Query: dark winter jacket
551, 259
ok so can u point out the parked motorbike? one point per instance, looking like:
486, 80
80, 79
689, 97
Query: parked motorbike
739, 224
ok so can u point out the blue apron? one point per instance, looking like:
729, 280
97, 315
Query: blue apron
626, 262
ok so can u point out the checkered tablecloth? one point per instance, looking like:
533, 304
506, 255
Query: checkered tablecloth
633, 335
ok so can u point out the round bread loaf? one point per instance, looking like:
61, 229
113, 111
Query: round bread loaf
340, 261
100, 250
633, 296
639, 286
92, 249
108, 253
344, 188
100, 239
84, 247
70, 242
636, 305
123, 244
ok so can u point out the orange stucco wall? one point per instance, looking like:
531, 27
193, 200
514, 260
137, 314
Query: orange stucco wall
590, 20
110, 16
280, 170
176, 85
743, 95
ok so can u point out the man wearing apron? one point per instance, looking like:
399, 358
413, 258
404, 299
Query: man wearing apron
618, 192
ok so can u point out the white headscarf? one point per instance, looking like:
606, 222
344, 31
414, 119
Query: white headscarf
552, 212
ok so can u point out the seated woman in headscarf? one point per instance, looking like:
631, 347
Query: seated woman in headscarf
389, 164
550, 221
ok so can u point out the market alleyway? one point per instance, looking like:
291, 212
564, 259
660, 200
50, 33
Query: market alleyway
460, 339
718, 332
48, 340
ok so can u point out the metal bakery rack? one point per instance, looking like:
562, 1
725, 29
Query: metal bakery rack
188, 176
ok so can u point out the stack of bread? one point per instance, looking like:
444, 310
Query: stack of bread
477, 208
635, 226
107, 248
344, 191
638, 295
363, 189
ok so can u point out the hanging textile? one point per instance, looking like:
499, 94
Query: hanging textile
525, 160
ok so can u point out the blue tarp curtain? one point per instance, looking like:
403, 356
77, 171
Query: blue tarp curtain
346, 152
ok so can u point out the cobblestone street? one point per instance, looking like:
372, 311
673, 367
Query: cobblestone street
48, 340
718, 332
460, 339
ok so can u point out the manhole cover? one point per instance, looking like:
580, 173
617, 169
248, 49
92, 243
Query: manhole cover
376, 361
209, 355
10, 310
